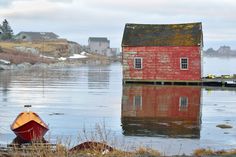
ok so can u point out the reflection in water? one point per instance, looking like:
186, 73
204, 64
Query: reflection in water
98, 77
4, 83
60, 96
168, 111
70, 96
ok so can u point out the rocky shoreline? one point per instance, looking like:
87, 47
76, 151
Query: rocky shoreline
25, 66
15, 56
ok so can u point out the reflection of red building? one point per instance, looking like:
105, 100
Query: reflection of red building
161, 110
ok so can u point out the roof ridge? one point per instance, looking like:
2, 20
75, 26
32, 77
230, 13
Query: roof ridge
164, 23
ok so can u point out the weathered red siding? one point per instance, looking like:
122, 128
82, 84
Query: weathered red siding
162, 63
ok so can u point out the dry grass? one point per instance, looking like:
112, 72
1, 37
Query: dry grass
61, 151
200, 152
39, 150
118, 153
147, 152
210, 152
99, 149
18, 57
42, 46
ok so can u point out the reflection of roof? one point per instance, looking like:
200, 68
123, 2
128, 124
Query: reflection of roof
39, 35
98, 39
189, 34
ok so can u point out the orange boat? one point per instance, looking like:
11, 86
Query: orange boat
29, 126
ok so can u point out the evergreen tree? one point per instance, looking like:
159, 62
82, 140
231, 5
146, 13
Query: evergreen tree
6, 31
0, 30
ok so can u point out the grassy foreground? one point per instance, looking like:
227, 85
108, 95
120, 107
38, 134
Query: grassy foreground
61, 151
95, 149
37, 150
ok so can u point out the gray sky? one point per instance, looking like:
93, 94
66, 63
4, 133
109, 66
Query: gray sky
79, 19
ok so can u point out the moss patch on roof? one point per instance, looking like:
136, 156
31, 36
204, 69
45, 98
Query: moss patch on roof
189, 34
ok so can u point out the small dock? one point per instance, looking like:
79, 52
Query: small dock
215, 82
222, 82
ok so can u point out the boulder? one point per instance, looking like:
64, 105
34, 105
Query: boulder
24, 65
5, 67
40, 66
92, 146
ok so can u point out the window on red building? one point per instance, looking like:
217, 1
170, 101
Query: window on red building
184, 63
138, 63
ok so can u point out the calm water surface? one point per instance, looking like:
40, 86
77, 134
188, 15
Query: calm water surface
172, 119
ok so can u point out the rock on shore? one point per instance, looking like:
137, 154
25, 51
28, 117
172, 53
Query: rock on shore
15, 66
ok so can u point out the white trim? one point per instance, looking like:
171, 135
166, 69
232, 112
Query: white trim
135, 62
181, 63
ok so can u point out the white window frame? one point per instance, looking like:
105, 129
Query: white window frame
183, 107
181, 63
135, 58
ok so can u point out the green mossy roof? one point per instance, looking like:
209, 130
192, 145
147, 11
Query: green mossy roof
189, 34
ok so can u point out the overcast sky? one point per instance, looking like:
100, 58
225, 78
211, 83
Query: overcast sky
77, 20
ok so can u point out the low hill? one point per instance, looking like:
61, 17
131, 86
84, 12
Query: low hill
53, 48
223, 51
16, 57
47, 52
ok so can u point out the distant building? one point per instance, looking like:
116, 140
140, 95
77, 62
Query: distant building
170, 52
101, 45
36, 36
112, 52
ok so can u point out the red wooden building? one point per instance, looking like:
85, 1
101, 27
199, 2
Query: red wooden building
150, 110
167, 52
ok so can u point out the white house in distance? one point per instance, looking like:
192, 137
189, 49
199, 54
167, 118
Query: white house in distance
98, 44
101, 45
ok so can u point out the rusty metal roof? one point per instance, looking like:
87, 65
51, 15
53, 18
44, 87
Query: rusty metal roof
188, 34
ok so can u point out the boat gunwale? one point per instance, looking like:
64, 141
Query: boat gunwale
43, 124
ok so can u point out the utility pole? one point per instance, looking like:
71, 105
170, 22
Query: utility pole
42, 54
